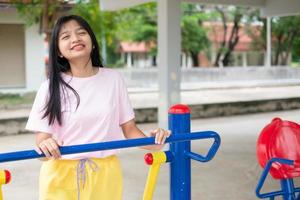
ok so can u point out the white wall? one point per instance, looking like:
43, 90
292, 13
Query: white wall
34, 52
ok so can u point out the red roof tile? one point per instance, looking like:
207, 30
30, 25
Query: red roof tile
135, 47
216, 32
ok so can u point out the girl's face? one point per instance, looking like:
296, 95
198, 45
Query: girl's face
74, 41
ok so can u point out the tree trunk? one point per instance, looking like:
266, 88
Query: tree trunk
223, 44
154, 61
278, 49
291, 38
195, 59
233, 40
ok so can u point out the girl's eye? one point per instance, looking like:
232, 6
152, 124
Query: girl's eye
65, 37
81, 33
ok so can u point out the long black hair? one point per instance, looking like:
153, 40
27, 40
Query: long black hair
57, 65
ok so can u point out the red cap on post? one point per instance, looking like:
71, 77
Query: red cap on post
179, 109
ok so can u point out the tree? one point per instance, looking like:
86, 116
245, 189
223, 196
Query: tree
234, 15
104, 25
285, 31
285, 36
42, 12
194, 38
46, 12
296, 50
140, 24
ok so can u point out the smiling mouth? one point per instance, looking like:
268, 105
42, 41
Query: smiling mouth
77, 46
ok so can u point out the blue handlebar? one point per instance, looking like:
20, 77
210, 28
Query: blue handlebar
211, 152
31, 154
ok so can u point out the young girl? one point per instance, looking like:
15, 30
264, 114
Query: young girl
81, 103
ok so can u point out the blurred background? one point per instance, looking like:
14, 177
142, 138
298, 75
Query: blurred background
235, 63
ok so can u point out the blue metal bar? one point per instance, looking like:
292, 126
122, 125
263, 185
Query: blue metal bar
169, 156
211, 152
264, 176
287, 186
298, 197
31, 154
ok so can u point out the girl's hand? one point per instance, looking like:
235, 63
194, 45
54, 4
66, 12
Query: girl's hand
160, 135
50, 147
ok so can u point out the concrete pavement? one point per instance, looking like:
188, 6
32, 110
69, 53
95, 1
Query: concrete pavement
148, 98
231, 175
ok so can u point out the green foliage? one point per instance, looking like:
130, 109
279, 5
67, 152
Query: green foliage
138, 23
194, 38
296, 50
286, 27
104, 25
34, 11
285, 37
30, 13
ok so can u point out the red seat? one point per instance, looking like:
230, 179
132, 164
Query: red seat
280, 139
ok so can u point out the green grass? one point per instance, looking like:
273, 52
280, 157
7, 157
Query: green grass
295, 64
16, 99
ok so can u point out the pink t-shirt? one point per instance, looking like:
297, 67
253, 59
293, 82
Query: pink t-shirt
104, 106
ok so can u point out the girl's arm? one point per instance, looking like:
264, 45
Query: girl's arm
131, 131
48, 145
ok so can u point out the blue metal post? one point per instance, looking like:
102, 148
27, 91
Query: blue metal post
287, 186
179, 122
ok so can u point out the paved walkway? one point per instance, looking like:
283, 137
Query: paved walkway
220, 95
142, 98
232, 175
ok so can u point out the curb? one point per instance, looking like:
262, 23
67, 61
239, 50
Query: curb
15, 125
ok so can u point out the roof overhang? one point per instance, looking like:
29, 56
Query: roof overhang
281, 8
112, 5
268, 7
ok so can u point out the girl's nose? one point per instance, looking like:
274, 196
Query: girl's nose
75, 38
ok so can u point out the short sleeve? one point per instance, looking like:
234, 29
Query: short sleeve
36, 122
126, 112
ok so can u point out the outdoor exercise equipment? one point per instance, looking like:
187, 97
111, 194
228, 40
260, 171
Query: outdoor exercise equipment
154, 159
179, 155
4, 179
278, 152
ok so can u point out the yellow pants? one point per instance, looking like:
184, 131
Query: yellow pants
91, 179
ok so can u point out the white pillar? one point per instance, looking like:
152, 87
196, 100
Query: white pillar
213, 56
183, 60
123, 57
169, 45
268, 54
129, 60
35, 68
149, 60
244, 59
189, 62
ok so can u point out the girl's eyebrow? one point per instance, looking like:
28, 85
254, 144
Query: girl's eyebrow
80, 28
77, 29
65, 32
